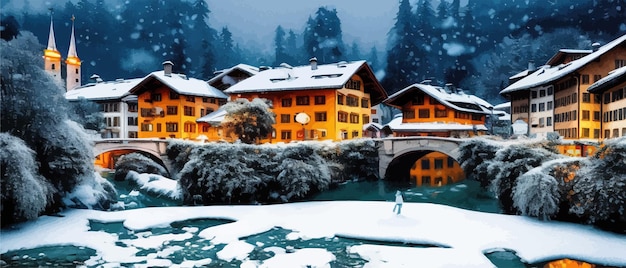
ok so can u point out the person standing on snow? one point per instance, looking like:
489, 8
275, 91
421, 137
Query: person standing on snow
399, 202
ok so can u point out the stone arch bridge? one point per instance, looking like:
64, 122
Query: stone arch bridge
400, 153
155, 147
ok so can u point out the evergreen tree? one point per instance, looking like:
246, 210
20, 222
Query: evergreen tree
10, 28
226, 48
323, 36
205, 37
372, 59
279, 46
401, 56
355, 52
291, 47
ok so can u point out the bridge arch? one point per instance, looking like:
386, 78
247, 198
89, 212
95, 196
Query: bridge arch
153, 148
398, 155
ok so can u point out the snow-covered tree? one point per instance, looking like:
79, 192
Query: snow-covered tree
88, 114
475, 157
25, 193
323, 37
138, 163
509, 164
536, 194
600, 188
34, 109
249, 120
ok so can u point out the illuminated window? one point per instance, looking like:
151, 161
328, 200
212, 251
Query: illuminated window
286, 102
171, 127
320, 116
302, 100
320, 100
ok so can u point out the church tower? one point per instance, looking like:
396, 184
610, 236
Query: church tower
73, 63
51, 56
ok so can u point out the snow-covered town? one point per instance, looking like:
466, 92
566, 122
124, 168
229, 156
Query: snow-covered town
410, 133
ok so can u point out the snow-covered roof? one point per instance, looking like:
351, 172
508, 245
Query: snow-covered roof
548, 74
608, 81
502, 106
325, 76
520, 74
111, 90
396, 125
373, 125
181, 84
251, 70
567, 51
455, 100
214, 118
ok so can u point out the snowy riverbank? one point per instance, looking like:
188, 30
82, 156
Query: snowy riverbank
464, 236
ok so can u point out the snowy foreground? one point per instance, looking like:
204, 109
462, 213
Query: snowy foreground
463, 236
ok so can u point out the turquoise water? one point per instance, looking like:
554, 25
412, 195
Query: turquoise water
466, 194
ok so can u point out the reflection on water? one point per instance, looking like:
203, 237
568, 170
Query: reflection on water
436, 169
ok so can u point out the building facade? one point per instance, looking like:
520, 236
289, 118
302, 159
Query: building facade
117, 105
442, 112
437, 111
612, 91
170, 103
337, 99
554, 98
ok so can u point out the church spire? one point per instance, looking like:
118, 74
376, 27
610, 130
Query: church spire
52, 44
72, 63
72, 51
51, 56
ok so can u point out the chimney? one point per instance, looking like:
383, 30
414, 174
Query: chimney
531, 66
313, 62
167, 68
595, 46
450, 88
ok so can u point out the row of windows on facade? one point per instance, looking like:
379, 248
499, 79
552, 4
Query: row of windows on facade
573, 133
567, 100
313, 134
614, 96
175, 96
169, 127
352, 101
322, 117
173, 110
439, 113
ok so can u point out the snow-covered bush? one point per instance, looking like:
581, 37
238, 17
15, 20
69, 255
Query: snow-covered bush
599, 193
92, 193
243, 173
510, 163
138, 163
536, 194
359, 159
301, 171
475, 157
25, 193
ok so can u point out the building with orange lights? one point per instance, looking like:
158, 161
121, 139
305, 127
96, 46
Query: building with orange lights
169, 104
337, 98
612, 91
429, 110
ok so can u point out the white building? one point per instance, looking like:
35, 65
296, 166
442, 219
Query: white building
118, 106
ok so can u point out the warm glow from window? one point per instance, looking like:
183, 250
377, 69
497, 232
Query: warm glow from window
51, 53
73, 60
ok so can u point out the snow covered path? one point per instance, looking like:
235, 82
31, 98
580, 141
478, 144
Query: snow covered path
467, 235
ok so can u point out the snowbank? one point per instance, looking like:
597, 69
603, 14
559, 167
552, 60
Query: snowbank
466, 233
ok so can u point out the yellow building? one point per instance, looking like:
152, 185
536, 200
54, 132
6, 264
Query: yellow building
170, 103
442, 112
612, 91
337, 98
554, 97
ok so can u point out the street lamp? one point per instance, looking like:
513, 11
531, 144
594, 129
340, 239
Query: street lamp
303, 119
